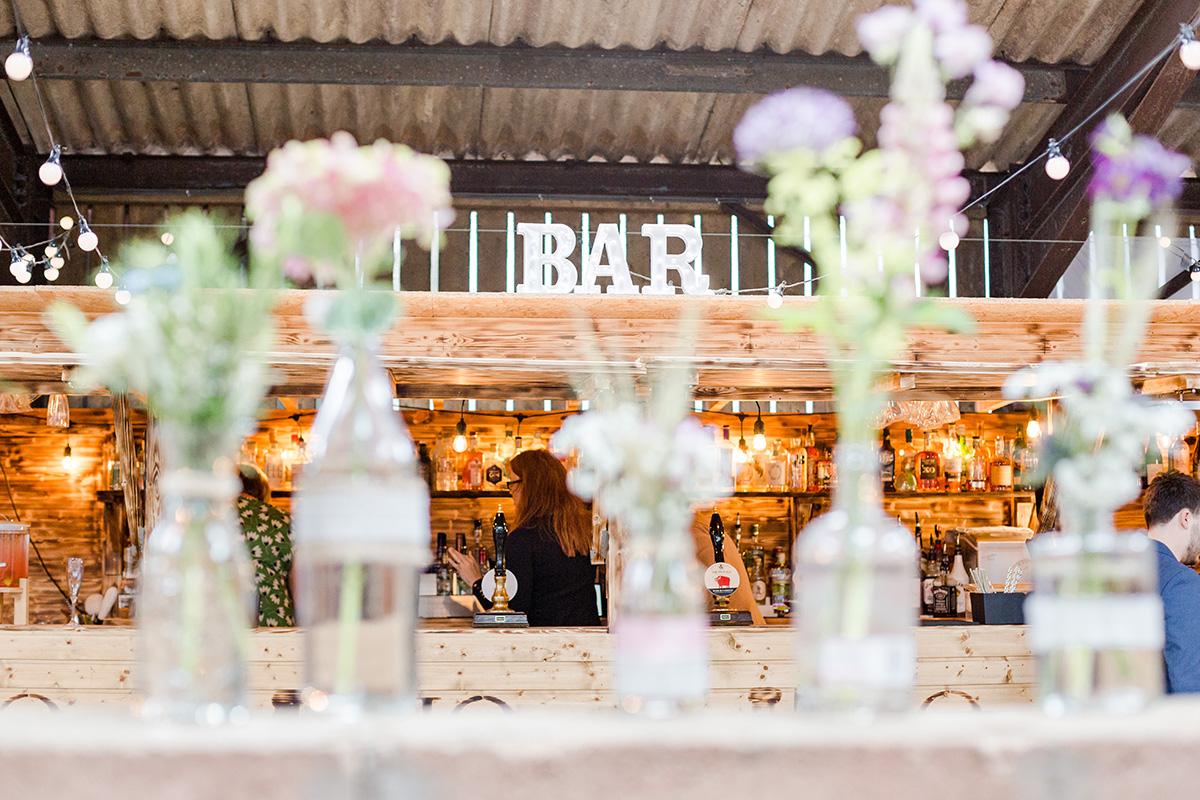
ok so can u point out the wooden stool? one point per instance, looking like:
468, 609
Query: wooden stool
20, 594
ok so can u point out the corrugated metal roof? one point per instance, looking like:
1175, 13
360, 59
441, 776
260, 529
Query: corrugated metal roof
219, 119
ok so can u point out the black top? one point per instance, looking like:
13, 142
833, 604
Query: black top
553, 589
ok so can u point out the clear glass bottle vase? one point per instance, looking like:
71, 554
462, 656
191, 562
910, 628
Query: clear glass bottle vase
361, 534
856, 597
661, 627
197, 603
1095, 617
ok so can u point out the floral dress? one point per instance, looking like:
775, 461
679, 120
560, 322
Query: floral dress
267, 532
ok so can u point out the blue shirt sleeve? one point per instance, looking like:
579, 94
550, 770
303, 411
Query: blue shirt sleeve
1181, 606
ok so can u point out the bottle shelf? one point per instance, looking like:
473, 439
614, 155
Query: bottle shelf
1021, 493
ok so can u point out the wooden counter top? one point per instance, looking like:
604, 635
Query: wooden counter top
560, 667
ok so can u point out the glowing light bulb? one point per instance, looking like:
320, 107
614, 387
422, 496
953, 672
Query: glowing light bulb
27, 257
774, 298
1033, 428
51, 251
58, 262
122, 296
16, 265
948, 240
460, 436
1164, 242
68, 463
1194, 272
88, 241
168, 238
739, 455
760, 442
1189, 54
23, 276
51, 273
51, 172
1057, 165
19, 64
104, 279
66, 223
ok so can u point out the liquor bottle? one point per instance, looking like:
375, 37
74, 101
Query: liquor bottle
887, 463
945, 593
442, 566
952, 462
977, 473
825, 476
906, 465
737, 534
1154, 460
917, 527
929, 467
539, 440
426, 464
481, 553
1022, 475
274, 465
777, 468
447, 477
725, 461
1178, 457
781, 583
959, 578
508, 447
758, 570
493, 468
461, 587
814, 455
1001, 475
472, 470
798, 466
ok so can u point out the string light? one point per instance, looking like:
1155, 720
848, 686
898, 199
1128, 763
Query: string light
948, 240
1189, 48
760, 431
16, 265
168, 238
741, 455
1057, 165
460, 432
68, 463
66, 223
23, 276
1194, 271
51, 171
1164, 242
774, 297
1033, 428
122, 296
51, 273
104, 278
88, 241
19, 64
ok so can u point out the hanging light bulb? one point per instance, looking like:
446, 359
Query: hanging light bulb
460, 433
122, 296
88, 241
741, 455
1189, 48
168, 238
16, 265
104, 278
26, 257
19, 64
1033, 428
774, 298
51, 273
51, 251
949, 240
68, 463
58, 262
51, 172
1194, 271
66, 223
760, 433
23, 276
1057, 165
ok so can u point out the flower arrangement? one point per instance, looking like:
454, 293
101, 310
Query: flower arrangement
192, 339
329, 211
910, 184
1097, 444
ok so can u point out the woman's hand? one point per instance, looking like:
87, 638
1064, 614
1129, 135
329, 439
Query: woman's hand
465, 566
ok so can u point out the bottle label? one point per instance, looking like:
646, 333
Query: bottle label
366, 515
775, 473
886, 661
1101, 622
494, 475
945, 601
758, 588
1002, 475
799, 469
929, 469
887, 465
661, 656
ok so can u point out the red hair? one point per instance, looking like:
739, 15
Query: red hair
546, 502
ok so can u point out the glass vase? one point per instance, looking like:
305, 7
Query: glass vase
197, 602
661, 660
1095, 618
856, 597
361, 537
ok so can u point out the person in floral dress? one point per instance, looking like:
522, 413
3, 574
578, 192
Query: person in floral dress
267, 531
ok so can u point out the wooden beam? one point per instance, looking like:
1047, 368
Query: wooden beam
1170, 384
492, 66
1044, 217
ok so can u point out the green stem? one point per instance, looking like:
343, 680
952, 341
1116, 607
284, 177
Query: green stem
192, 601
349, 618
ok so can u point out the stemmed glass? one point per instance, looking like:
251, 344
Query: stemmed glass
74, 581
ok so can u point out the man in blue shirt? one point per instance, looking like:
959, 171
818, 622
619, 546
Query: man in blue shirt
1172, 509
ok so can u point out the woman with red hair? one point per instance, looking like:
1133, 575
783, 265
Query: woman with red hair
548, 546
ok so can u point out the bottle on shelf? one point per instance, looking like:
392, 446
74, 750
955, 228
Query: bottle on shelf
1022, 474
725, 479
508, 446
887, 463
777, 468
952, 462
1154, 460
825, 474
1179, 457
929, 467
756, 567
906, 465
781, 583
426, 463
814, 455
442, 569
493, 468
737, 534
945, 593
977, 473
539, 440
798, 466
447, 476
472, 469
274, 466
461, 587
481, 553
1001, 474
959, 578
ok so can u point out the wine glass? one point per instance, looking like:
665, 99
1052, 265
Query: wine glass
74, 581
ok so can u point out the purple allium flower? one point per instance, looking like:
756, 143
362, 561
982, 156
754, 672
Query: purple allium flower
796, 119
1134, 169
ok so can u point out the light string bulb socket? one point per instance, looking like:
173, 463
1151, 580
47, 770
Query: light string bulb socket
88, 240
775, 296
104, 277
19, 64
460, 432
1057, 165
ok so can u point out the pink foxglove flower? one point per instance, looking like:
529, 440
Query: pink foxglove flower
1134, 171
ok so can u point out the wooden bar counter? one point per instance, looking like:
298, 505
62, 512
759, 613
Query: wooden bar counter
964, 665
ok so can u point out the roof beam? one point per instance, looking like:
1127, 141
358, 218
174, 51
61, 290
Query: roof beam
508, 66
1038, 209
209, 175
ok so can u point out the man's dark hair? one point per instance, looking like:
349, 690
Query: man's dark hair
1167, 495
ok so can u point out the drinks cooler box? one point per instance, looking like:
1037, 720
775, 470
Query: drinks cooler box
998, 608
